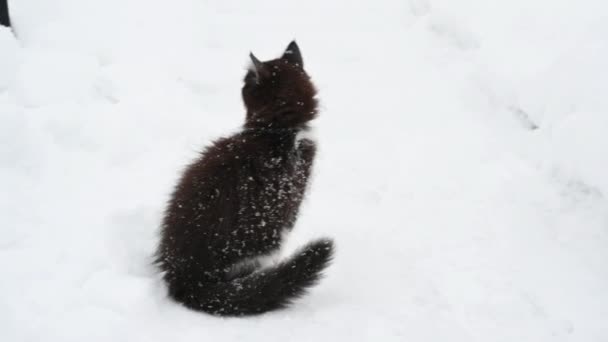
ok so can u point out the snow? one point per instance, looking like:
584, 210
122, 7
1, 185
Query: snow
454, 218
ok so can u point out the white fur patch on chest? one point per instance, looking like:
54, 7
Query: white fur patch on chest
308, 134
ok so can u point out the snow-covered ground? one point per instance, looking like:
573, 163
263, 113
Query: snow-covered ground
462, 169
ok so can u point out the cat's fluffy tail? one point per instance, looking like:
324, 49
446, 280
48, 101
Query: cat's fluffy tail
265, 289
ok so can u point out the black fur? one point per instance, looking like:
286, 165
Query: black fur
238, 199
4, 17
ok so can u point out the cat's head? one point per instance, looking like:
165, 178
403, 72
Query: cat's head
279, 93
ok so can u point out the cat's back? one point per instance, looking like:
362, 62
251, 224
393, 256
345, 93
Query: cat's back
212, 185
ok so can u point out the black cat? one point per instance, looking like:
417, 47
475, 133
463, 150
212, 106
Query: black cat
232, 207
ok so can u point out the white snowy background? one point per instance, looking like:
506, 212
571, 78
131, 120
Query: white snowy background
463, 169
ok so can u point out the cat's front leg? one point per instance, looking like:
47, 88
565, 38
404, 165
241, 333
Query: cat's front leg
307, 150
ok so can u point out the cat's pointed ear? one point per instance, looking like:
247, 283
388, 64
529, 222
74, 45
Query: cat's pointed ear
257, 67
292, 54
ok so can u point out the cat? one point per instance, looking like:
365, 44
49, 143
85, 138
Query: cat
232, 207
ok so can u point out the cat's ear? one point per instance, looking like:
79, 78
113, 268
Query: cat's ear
292, 54
259, 69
